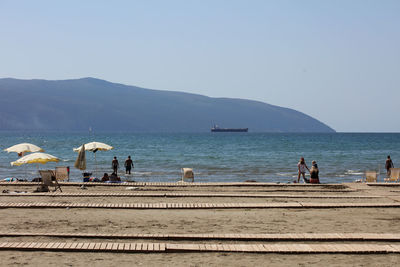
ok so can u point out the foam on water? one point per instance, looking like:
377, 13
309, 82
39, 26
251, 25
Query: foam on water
352, 172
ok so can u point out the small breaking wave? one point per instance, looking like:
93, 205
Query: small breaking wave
352, 172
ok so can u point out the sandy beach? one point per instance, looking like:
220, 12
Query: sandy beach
198, 221
199, 133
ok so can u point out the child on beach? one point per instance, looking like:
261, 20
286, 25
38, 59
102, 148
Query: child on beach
302, 170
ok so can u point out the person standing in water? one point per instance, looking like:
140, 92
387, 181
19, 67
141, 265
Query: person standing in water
302, 170
115, 165
128, 165
314, 173
388, 165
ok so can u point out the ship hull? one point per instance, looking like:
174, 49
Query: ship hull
227, 130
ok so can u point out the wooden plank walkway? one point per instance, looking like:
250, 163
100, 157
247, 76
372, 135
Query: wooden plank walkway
54, 205
167, 247
390, 184
326, 237
175, 195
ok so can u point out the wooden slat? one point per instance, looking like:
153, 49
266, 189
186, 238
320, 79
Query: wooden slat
205, 205
389, 237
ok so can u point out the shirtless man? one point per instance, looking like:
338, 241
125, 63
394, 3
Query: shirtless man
128, 165
388, 165
115, 165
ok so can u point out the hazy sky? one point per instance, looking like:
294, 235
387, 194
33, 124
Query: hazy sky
338, 61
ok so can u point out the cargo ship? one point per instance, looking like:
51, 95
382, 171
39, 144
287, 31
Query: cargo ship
216, 128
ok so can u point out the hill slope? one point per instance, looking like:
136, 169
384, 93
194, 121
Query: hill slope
79, 104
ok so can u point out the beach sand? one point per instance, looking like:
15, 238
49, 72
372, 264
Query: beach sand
199, 221
192, 259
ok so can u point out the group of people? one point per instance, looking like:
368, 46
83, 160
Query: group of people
314, 172
115, 166
110, 178
128, 165
301, 166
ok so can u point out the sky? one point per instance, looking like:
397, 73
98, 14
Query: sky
337, 61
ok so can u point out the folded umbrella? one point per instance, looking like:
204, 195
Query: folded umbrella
80, 162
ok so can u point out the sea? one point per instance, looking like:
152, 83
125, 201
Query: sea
214, 157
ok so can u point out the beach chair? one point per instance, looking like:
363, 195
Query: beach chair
62, 173
371, 176
187, 173
47, 179
394, 175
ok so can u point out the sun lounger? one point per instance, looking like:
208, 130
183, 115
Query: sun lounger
371, 176
48, 181
187, 173
394, 175
62, 173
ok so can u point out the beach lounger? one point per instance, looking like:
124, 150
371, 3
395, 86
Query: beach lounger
62, 173
187, 173
48, 181
371, 176
394, 175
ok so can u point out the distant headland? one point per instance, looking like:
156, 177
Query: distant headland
77, 104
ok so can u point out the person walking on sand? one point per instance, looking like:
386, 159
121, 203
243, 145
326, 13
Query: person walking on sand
128, 165
388, 165
302, 170
115, 165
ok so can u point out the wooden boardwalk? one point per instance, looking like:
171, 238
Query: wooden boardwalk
285, 243
390, 184
325, 237
168, 247
175, 195
286, 205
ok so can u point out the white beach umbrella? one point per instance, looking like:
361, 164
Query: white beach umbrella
23, 148
94, 147
38, 157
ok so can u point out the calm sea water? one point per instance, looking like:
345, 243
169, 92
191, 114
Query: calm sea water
264, 157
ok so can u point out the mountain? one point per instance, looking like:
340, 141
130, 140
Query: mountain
76, 105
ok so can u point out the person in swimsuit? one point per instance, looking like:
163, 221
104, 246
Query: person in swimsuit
302, 170
388, 165
128, 165
115, 165
314, 173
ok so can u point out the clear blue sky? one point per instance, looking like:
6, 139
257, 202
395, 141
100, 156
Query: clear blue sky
338, 61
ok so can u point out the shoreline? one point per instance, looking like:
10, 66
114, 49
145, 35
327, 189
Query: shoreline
205, 184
